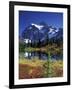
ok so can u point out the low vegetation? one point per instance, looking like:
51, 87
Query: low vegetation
40, 68
37, 68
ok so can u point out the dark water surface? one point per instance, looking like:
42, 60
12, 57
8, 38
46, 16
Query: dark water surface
40, 55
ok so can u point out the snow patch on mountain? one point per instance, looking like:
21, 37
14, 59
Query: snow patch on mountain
51, 30
37, 26
56, 30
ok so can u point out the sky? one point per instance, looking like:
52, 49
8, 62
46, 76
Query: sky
51, 18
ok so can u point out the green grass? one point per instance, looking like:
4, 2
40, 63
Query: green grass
36, 68
52, 48
32, 62
49, 68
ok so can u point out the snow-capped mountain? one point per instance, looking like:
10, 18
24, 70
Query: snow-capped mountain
41, 33
37, 26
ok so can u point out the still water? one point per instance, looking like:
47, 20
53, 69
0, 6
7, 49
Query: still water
40, 55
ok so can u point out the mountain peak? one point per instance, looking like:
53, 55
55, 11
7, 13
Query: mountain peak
41, 32
37, 26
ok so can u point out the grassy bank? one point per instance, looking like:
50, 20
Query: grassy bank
52, 48
40, 68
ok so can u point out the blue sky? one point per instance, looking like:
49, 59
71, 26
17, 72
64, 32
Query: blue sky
51, 18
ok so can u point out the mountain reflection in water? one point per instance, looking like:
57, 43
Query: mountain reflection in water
40, 55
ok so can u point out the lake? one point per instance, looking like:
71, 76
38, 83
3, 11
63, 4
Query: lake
40, 55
